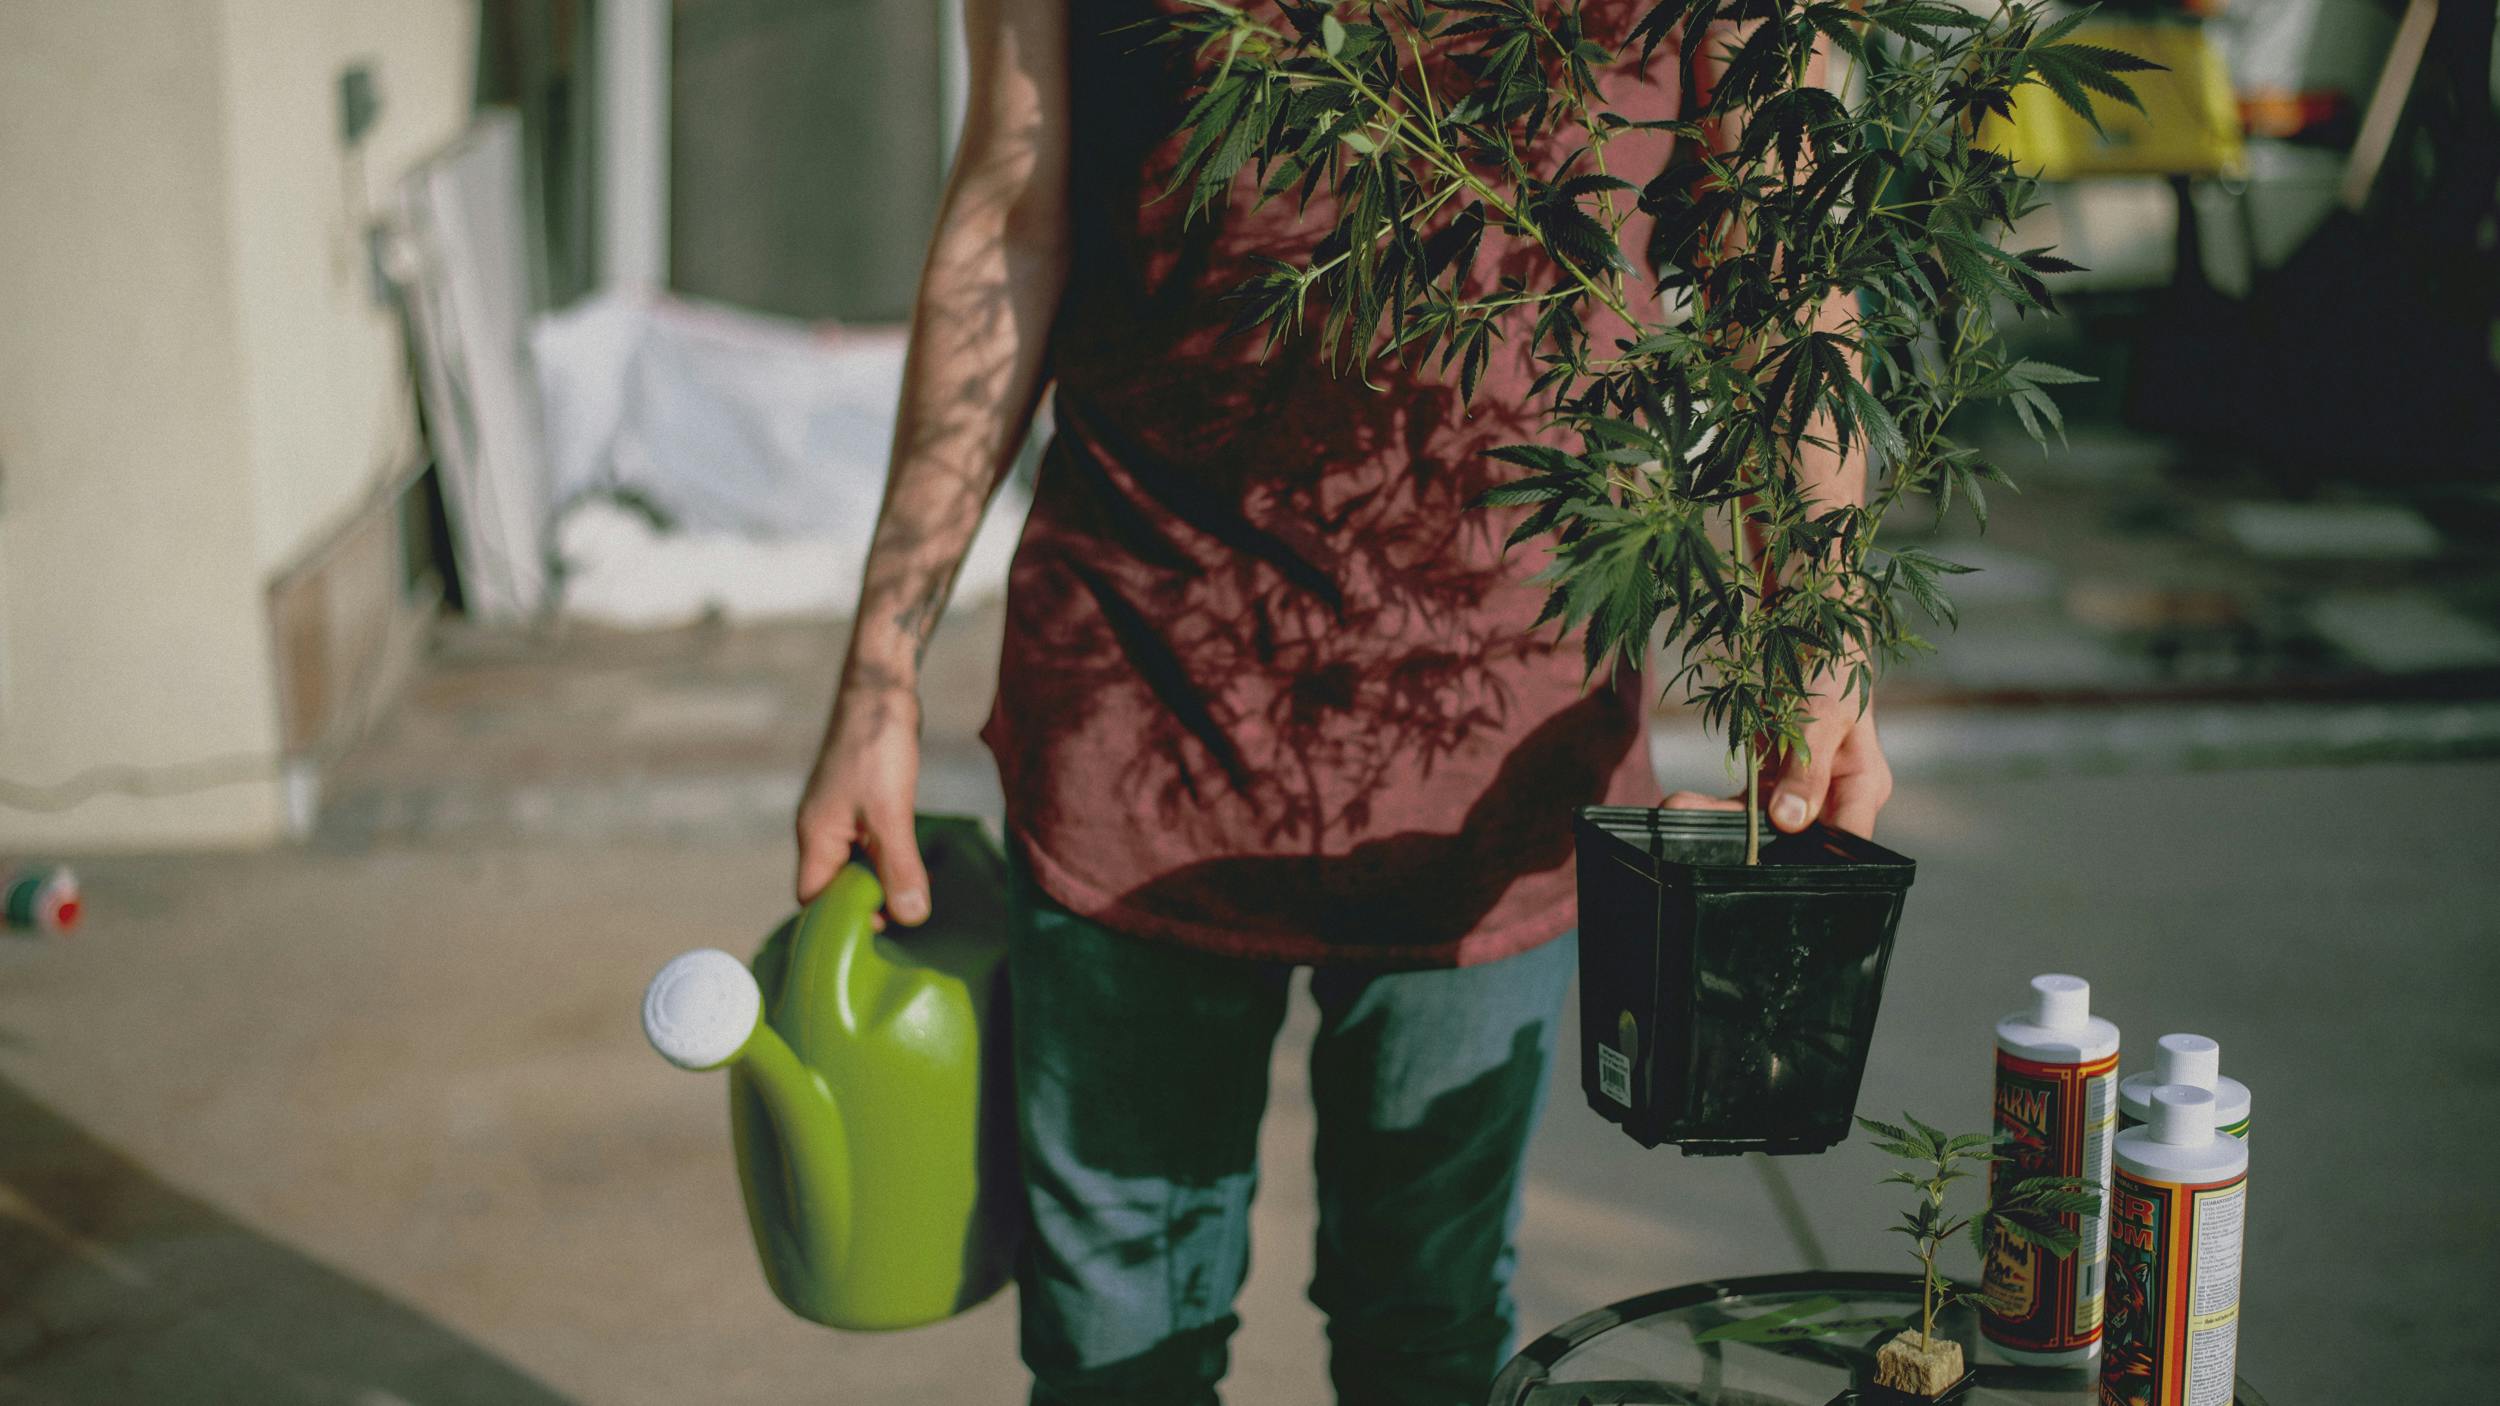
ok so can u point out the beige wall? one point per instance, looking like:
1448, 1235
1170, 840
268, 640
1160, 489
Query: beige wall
326, 396
194, 389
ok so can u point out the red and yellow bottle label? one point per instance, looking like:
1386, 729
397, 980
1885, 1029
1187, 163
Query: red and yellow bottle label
2058, 1120
2174, 1298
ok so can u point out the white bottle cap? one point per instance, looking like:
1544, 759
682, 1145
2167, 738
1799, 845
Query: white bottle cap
2061, 1002
701, 1008
2187, 1059
2183, 1116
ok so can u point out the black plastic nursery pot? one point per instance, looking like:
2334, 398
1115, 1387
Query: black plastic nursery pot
1726, 1007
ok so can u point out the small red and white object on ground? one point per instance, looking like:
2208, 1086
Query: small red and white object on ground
39, 897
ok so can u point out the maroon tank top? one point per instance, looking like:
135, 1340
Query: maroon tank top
1269, 685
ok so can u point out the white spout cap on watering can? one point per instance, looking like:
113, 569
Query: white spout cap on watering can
2192, 1060
2183, 1116
2061, 1002
701, 1009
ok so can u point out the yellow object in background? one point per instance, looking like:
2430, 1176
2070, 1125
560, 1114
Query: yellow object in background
2190, 125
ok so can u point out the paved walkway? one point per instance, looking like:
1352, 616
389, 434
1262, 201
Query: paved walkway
588, 734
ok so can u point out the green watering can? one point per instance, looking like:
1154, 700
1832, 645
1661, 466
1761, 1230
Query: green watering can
869, 1090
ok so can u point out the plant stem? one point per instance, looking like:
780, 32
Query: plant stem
1753, 806
1449, 164
1927, 1303
1744, 746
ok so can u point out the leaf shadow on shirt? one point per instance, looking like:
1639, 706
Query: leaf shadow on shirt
1300, 623
1266, 566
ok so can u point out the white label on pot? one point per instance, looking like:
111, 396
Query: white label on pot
1614, 1074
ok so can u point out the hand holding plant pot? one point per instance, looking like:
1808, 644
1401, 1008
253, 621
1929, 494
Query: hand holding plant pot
1838, 777
1751, 349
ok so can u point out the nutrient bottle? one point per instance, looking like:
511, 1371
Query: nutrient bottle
2179, 1208
2057, 1108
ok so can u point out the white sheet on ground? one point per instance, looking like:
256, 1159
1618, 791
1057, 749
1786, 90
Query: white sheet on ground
667, 459
715, 461
622, 571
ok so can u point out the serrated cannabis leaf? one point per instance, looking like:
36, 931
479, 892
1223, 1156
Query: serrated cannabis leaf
1698, 321
2034, 1211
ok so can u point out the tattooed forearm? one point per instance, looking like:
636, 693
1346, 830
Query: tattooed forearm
917, 620
913, 563
918, 617
996, 267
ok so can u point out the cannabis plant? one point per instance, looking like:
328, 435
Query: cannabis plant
2030, 1211
1684, 379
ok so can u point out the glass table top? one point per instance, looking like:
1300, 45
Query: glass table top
1776, 1340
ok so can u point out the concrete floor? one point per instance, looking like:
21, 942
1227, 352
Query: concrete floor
378, 1127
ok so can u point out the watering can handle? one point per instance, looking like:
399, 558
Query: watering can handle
830, 964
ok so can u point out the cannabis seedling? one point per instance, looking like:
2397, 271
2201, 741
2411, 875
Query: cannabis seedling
2030, 1210
1827, 280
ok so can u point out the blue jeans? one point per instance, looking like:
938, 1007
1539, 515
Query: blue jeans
1142, 1071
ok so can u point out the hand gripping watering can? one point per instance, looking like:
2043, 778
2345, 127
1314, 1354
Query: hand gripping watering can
869, 1093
